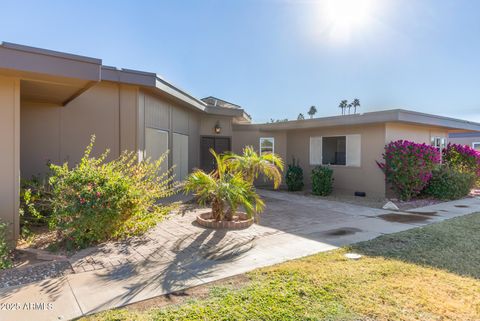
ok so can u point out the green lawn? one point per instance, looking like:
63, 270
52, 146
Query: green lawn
429, 273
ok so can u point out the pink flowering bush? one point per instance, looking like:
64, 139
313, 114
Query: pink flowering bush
408, 166
462, 158
98, 200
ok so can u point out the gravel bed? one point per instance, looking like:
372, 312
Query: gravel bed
33, 273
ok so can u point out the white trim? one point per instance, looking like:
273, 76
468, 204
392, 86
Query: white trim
263, 139
316, 159
474, 144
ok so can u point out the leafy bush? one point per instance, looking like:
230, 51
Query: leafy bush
5, 261
462, 158
35, 204
294, 176
98, 200
408, 166
449, 184
322, 180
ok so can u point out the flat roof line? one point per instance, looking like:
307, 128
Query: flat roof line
48, 52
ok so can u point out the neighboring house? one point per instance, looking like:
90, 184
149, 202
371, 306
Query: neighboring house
470, 139
52, 102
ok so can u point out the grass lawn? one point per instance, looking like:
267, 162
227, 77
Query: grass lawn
430, 273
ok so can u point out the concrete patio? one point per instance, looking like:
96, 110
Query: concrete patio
178, 254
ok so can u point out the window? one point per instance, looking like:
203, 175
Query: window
438, 142
336, 150
267, 145
476, 146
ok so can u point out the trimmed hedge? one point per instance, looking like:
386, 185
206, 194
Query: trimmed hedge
449, 184
322, 180
294, 176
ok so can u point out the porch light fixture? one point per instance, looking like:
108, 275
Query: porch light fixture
217, 128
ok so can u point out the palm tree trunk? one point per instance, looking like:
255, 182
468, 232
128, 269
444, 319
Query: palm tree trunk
217, 210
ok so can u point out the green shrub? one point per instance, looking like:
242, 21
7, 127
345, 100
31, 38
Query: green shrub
98, 200
463, 158
322, 180
5, 261
35, 204
294, 176
449, 184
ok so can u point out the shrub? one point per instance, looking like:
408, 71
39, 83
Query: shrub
98, 200
462, 158
322, 180
449, 184
408, 166
35, 204
5, 261
294, 176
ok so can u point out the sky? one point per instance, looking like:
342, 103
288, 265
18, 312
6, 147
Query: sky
276, 58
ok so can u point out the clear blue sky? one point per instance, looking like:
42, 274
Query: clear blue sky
277, 57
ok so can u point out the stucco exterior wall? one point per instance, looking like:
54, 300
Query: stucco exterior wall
53, 133
10, 155
465, 140
366, 178
418, 134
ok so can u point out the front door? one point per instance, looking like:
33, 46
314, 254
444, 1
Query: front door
218, 144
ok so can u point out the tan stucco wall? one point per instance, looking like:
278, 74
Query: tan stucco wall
465, 140
10, 155
57, 134
418, 134
366, 178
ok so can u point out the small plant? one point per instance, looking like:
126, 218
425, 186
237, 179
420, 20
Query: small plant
225, 189
449, 184
98, 200
322, 180
294, 176
5, 260
408, 167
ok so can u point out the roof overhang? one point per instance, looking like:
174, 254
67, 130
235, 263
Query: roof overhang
395, 115
48, 76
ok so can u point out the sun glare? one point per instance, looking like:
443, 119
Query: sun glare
346, 18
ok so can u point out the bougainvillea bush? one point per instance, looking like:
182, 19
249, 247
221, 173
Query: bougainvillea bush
408, 166
98, 200
462, 158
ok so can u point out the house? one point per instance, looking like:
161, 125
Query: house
52, 102
470, 139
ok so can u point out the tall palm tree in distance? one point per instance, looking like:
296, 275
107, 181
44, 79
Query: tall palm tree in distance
349, 107
355, 104
343, 105
312, 111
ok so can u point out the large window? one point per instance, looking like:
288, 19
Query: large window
336, 150
476, 146
267, 145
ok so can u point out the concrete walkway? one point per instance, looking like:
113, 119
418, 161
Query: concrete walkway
178, 254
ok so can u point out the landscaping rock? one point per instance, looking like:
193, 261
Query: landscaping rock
390, 206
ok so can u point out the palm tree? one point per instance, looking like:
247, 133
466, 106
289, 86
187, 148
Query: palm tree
251, 164
355, 104
225, 190
300, 117
349, 107
343, 105
312, 111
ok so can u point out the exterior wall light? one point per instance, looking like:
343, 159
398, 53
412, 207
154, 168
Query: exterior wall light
217, 128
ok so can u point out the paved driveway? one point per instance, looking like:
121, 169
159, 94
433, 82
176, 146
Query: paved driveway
178, 254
